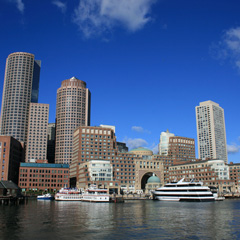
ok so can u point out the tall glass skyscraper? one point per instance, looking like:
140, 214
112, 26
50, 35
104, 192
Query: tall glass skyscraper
21, 84
211, 131
72, 111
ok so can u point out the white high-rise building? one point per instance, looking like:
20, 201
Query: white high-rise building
211, 131
164, 142
21, 85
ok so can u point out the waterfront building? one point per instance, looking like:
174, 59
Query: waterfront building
21, 84
234, 173
164, 142
211, 131
43, 176
211, 172
181, 149
130, 170
99, 173
37, 132
72, 111
11, 154
51, 142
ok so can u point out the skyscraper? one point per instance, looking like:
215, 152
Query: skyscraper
37, 132
51, 142
211, 131
20, 86
72, 111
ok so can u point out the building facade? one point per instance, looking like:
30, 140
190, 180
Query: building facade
210, 172
211, 131
131, 170
37, 132
164, 142
51, 142
11, 155
181, 149
43, 176
20, 87
72, 111
234, 173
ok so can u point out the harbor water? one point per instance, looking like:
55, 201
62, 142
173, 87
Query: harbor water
139, 219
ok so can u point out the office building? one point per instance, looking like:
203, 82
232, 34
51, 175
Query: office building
130, 170
164, 142
210, 172
43, 176
211, 133
11, 154
21, 85
181, 149
37, 132
72, 111
51, 142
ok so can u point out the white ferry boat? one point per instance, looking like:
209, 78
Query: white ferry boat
46, 196
68, 194
184, 191
93, 194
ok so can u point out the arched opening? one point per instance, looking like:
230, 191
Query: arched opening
145, 177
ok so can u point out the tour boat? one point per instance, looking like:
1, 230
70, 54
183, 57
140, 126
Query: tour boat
46, 196
94, 194
214, 190
184, 191
68, 194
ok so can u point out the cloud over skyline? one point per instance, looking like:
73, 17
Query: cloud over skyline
228, 48
19, 4
98, 16
61, 5
135, 143
234, 148
139, 129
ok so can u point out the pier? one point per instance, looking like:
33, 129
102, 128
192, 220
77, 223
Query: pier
10, 200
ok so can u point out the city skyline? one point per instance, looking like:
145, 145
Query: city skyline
147, 69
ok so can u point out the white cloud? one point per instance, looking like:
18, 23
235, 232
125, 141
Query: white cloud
139, 129
234, 148
61, 5
229, 47
135, 143
19, 5
98, 16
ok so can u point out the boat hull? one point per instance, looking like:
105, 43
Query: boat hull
185, 199
87, 198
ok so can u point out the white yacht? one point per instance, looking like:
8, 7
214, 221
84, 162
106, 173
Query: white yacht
184, 191
68, 194
94, 194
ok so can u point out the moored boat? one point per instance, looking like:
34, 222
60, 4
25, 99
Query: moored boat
94, 194
68, 194
184, 191
46, 196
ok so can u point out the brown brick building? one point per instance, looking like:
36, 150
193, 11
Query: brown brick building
181, 149
210, 172
234, 173
130, 170
11, 154
43, 176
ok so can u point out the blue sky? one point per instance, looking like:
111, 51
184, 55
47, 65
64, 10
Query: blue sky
147, 63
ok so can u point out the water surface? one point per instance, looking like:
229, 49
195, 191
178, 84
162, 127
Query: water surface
130, 220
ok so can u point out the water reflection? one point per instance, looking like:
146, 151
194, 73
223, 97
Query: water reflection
130, 220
